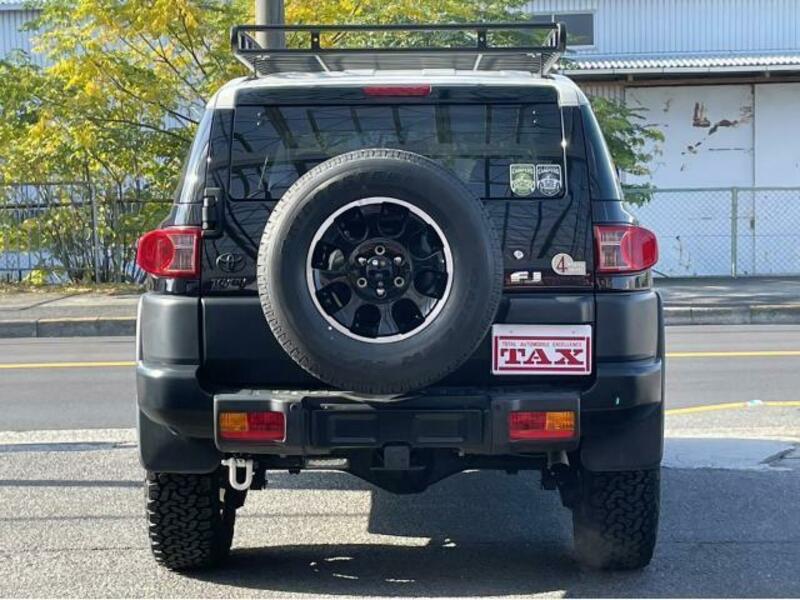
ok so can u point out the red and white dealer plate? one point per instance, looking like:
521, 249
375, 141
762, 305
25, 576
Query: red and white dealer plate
541, 349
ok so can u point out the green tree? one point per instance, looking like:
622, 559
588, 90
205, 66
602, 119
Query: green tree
124, 86
115, 109
629, 140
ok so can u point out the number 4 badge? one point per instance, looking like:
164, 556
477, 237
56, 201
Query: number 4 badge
564, 264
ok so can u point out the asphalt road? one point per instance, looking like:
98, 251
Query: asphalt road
746, 363
47, 397
72, 515
72, 524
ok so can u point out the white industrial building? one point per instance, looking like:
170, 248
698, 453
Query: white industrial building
721, 79
13, 17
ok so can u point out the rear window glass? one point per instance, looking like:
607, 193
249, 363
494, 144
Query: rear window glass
484, 144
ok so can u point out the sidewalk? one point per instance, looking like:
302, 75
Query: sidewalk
58, 314
725, 301
760, 300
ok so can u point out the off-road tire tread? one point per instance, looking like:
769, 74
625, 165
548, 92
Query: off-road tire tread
615, 521
186, 526
373, 386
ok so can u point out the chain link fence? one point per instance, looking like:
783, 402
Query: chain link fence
70, 232
722, 232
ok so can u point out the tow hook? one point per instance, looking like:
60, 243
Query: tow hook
234, 465
559, 475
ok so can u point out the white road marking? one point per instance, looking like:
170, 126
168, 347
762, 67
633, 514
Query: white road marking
724, 453
721, 448
69, 436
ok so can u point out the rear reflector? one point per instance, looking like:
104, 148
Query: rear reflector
170, 252
528, 425
262, 426
625, 248
398, 90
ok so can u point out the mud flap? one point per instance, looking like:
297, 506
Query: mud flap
162, 451
634, 443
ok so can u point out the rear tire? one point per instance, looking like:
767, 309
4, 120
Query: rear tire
615, 518
191, 519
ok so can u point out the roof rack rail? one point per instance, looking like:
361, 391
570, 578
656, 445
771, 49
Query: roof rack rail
478, 53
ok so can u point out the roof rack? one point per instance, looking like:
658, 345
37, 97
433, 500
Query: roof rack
479, 52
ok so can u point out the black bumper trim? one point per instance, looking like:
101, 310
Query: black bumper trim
319, 424
171, 395
624, 385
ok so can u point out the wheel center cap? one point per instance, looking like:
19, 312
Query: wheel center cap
379, 269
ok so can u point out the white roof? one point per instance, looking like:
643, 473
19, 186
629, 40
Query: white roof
568, 93
682, 63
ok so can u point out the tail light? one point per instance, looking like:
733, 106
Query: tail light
258, 426
625, 248
170, 252
530, 425
398, 90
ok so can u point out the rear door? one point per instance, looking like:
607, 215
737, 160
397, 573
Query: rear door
514, 147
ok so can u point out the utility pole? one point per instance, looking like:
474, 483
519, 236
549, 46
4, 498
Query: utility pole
270, 12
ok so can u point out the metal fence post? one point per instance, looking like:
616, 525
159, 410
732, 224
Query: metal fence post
753, 225
95, 237
734, 230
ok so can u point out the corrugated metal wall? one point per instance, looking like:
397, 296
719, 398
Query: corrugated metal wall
611, 90
11, 35
644, 26
554, 6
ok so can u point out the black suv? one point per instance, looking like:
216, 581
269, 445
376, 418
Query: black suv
401, 263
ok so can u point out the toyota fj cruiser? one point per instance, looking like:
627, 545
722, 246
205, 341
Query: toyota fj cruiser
402, 263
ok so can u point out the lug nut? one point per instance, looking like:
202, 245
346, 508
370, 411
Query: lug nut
399, 282
361, 282
380, 250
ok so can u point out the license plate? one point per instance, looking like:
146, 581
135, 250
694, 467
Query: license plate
541, 349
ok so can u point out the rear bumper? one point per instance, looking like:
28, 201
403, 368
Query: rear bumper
173, 395
620, 425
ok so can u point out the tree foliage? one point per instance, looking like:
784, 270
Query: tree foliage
115, 109
627, 135
629, 140
125, 82
124, 86
403, 11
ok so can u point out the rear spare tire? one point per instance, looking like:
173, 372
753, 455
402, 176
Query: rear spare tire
379, 272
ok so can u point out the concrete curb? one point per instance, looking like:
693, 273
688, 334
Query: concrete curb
72, 327
762, 314
673, 315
